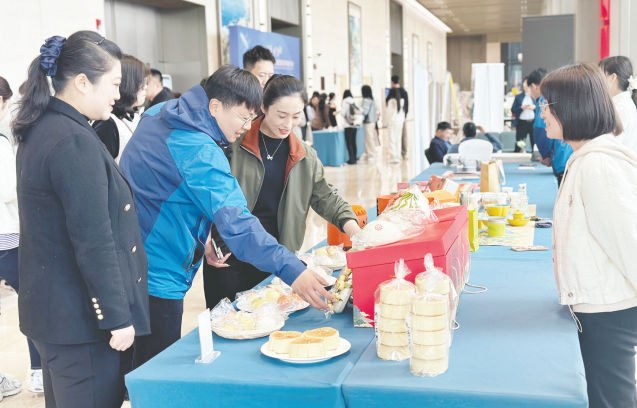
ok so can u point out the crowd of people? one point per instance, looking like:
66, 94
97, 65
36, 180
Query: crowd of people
104, 226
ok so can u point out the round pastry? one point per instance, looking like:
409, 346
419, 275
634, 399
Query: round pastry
442, 282
429, 304
280, 341
287, 302
331, 336
307, 347
393, 312
429, 368
393, 339
430, 338
392, 353
427, 323
429, 352
391, 325
396, 292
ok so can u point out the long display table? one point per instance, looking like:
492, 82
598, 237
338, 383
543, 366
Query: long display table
516, 347
331, 148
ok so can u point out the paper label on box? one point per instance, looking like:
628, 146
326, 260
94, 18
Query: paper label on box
205, 333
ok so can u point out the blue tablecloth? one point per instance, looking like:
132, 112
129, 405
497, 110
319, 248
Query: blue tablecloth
516, 346
331, 148
243, 377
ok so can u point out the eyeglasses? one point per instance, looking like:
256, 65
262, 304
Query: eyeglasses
543, 106
245, 121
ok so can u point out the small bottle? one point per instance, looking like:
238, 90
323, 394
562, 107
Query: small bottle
522, 189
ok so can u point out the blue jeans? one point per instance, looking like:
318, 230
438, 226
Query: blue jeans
10, 273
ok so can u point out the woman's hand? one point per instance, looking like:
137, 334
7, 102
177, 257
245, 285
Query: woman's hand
122, 339
310, 287
351, 228
213, 258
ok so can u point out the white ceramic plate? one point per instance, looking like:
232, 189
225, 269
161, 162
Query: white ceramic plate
247, 334
247, 307
342, 349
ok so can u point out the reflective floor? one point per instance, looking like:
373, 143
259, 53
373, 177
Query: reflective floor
358, 184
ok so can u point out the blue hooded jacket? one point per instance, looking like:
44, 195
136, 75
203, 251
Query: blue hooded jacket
558, 150
182, 183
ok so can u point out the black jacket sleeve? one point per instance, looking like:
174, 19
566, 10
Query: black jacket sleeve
406, 98
81, 183
108, 134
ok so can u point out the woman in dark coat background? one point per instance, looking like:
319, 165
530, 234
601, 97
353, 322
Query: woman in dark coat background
83, 269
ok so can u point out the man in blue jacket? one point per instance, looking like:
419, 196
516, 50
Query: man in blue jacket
182, 182
554, 153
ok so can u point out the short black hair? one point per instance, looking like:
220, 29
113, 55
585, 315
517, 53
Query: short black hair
444, 126
256, 54
315, 94
579, 99
280, 86
395, 79
526, 78
469, 129
157, 74
366, 91
347, 94
536, 77
234, 86
133, 74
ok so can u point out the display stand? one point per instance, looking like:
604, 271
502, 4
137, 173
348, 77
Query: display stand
208, 353
209, 358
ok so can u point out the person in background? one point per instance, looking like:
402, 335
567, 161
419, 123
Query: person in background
553, 152
395, 123
321, 118
469, 133
370, 117
118, 129
82, 261
281, 178
181, 177
524, 111
333, 109
9, 240
260, 62
349, 111
623, 89
594, 230
440, 143
310, 113
156, 92
395, 83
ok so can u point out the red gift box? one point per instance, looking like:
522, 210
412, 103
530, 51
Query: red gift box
446, 241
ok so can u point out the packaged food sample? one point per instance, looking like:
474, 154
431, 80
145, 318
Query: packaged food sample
428, 334
282, 297
330, 256
391, 305
342, 291
229, 323
406, 216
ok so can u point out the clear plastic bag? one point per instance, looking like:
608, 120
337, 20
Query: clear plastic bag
281, 297
225, 317
429, 334
406, 216
391, 302
433, 280
342, 291
330, 256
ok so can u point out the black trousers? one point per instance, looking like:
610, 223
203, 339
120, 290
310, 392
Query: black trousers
81, 375
219, 283
522, 129
607, 342
350, 140
165, 326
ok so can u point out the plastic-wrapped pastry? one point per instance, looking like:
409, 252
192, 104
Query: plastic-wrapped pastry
428, 368
280, 341
328, 334
305, 347
391, 300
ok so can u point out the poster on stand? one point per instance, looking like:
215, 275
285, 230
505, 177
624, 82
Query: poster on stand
285, 49
487, 85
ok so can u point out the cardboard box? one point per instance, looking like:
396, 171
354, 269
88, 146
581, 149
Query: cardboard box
447, 241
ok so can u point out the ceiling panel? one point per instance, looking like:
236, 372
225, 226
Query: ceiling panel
476, 17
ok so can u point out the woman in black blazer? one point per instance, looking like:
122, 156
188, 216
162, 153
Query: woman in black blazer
83, 268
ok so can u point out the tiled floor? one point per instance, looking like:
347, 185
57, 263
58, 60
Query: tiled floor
359, 184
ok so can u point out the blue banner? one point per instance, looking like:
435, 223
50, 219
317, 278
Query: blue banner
286, 49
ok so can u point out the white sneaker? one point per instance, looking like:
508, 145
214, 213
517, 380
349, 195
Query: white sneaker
9, 385
36, 384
